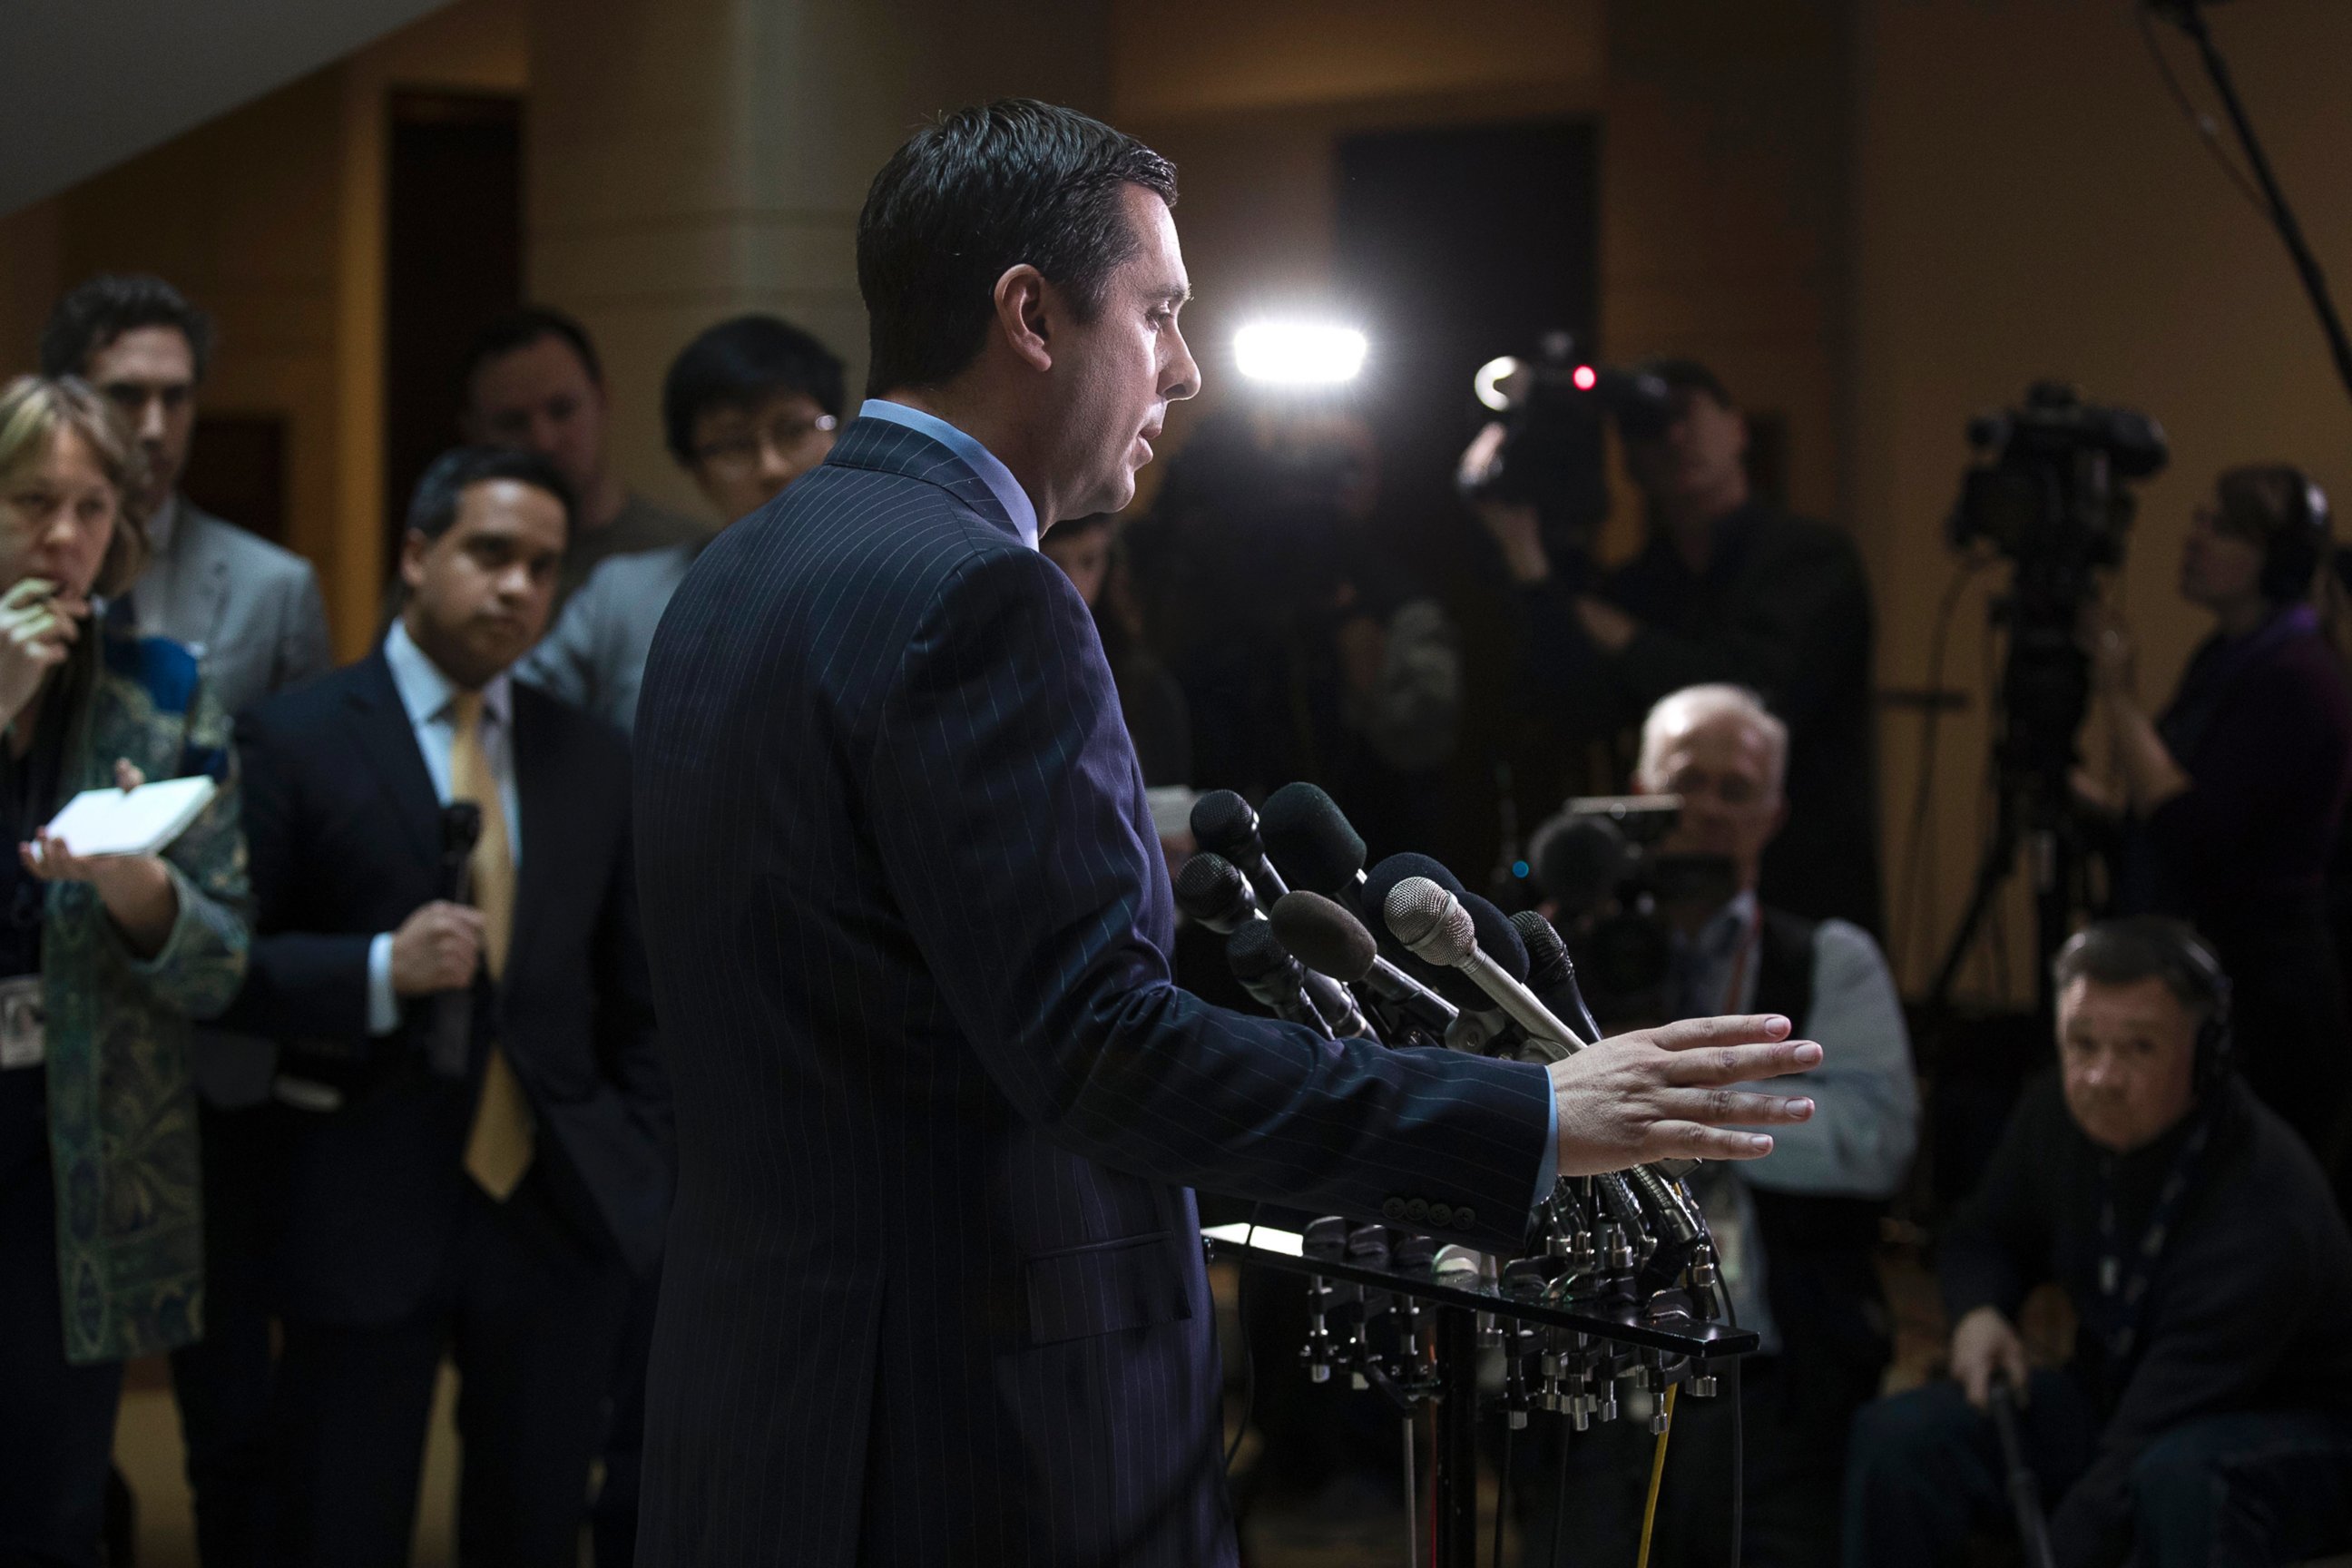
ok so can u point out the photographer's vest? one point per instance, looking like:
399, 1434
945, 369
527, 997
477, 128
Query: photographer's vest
1822, 1274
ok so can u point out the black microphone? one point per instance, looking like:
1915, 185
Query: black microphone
1580, 861
1551, 973
1223, 824
1309, 838
1272, 977
1328, 940
1213, 891
449, 1045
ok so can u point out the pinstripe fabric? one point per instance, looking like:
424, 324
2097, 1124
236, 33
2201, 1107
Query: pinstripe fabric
933, 1289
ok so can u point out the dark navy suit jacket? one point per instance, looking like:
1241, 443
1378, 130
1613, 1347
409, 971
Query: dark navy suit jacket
934, 1290
344, 832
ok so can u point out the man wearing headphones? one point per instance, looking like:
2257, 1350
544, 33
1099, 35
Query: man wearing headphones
2205, 1414
2230, 798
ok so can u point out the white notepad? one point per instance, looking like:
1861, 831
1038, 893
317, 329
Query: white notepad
131, 822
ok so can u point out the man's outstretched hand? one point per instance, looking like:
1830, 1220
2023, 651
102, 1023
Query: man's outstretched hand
1665, 1094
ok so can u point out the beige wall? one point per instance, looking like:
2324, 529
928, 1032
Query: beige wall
2029, 202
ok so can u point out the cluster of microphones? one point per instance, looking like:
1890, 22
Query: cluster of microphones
1403, 954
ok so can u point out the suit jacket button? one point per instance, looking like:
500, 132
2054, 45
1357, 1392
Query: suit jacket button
1417, 1210
1393, 1209
1464, 1217
1440, 1217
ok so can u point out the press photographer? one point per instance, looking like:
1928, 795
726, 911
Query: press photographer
1727, 587
2202, 1417
2232, 797
1797, 1230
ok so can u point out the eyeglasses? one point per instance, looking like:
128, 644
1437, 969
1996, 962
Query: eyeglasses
788, 437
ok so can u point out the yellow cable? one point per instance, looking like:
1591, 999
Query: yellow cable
1657, 1474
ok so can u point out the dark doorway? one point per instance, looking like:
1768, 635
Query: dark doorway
1460, 243
452, 260
237, 470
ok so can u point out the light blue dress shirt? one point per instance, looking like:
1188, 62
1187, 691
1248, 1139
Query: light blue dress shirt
977, 458
1023, 513
427, 695
1866, 1121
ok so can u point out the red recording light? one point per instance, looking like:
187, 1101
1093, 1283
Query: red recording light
1586, 378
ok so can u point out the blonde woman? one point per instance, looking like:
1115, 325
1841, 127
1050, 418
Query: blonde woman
103, 962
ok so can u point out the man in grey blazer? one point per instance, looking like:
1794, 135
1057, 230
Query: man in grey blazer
252, 614
748, 406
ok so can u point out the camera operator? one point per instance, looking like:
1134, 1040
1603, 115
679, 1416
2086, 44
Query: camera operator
1726, 588
1797, 1230
2232, 798
1304, 649
2202, 1417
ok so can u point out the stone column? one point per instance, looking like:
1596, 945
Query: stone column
687, 160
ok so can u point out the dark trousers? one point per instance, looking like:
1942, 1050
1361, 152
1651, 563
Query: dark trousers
222, 1382
1790, 1438
531, 1316
57, 1422
2226, 1491
614, 1523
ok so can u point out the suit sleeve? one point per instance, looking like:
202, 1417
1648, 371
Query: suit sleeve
628, 1040
304, 651
296, 984
1003, 799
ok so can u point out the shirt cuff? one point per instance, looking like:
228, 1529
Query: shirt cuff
383, 1008
1547, 1173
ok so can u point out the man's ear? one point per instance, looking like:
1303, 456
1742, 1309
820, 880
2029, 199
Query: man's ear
413, 549
1024, 308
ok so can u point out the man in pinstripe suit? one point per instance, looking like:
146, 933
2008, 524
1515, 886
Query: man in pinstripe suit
935, 1290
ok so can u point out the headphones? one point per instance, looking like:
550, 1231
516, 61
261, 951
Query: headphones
2292, 554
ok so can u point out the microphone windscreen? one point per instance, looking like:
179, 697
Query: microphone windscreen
1310, 840
1223, 822
1323, 936
1254, 953
1210, 888
1580, 861
1548, 964
1497, 938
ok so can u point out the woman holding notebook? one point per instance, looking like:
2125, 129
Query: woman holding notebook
104, 960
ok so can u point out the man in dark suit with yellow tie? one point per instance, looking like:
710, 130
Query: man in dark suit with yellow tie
934, 1291
477, 1182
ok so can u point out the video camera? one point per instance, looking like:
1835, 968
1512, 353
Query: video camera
2050, 495
1545, 448
1619, 902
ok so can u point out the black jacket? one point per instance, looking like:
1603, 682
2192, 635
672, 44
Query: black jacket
344, 832
2245, 1308
1783, 606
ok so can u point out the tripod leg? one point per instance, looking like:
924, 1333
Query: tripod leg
1999, 857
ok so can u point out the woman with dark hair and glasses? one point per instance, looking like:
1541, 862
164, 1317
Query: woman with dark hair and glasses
103, 962
2231, 795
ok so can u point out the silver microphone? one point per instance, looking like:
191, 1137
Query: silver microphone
1437, 929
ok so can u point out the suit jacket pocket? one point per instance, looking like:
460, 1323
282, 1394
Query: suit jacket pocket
1134, 1282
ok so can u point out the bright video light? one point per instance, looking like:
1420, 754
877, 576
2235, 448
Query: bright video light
1299, 355
1489, 382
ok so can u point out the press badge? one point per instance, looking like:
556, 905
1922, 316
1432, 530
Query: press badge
24, 1040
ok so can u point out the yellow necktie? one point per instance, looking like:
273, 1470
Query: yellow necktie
498, 1149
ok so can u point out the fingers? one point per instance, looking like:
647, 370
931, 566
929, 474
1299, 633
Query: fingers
128, 775
1976, 1382
1689, 1141
1738, 1029
1703, 1067
1725, 1107
2013, 1362
26, 591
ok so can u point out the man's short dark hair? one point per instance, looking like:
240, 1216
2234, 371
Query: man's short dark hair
973, 196
432, 508
111, 304
521, 329
740, 364
2144, 947
1689, 375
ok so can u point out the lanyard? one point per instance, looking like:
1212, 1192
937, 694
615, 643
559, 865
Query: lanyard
2124, 1281
1747, 943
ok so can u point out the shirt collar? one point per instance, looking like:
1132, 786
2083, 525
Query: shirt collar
979, 459
163, 525
425, 691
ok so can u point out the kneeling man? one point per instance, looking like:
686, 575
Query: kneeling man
2206, 1414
